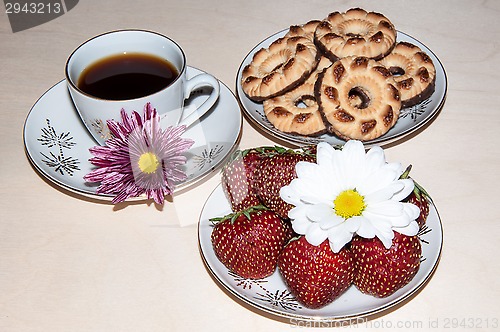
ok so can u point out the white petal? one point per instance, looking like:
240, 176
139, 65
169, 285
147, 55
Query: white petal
315, 235
354, 160
313, 200
400, 221
316, 190
289, 195
366, 228
354, 147
339, 243
310, 190
386, 241
385, 235
375, 159
408, 188
397, 167
305, 169
411, 210
325, 153
298, 212
294, 192
331, 221
327, 160
338, 237
398, 216
301, 226
318, 212
410, 230
329, 179
386, 208
377, 180
383, 194
330, 172
382, 225
353, 224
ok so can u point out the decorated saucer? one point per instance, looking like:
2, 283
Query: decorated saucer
57, 142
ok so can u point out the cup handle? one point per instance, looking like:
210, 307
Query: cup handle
191, 85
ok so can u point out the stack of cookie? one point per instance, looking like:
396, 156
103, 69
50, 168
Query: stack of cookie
345, 75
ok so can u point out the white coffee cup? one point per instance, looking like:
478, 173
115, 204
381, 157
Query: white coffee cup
169, 101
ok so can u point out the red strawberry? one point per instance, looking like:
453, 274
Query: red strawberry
249, 242
380, 271
238, 179
418, 197
315, 275
275, 172
290, 233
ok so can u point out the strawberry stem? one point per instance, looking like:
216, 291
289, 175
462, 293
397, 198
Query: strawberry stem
406, 173
235, 215
418, 190
422, 191
271, 151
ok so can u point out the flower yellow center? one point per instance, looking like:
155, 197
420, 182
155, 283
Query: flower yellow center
349, 203
148, 162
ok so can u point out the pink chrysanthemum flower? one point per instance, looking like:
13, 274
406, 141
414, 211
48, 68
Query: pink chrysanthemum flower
140, 158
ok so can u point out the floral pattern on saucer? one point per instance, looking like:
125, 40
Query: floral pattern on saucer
56, 145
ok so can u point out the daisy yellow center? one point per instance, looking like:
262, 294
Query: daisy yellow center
349, 203
148, 163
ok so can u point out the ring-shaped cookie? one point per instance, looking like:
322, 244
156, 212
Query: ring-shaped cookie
285, 64
305, 30
413, 71
358, 98
355, 33
296, 112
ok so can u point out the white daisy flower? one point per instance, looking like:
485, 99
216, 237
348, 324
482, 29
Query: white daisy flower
348, 192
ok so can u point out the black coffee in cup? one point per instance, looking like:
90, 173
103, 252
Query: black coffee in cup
125, 70
127, 76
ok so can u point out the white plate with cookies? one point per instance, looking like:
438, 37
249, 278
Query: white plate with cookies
408, 120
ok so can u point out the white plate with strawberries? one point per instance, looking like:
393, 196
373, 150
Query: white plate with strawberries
270, 294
